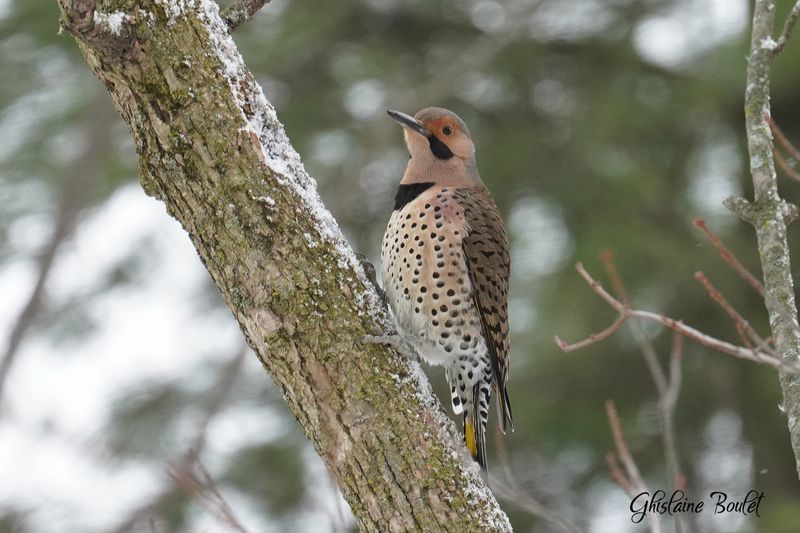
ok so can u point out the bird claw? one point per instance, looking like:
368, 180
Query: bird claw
369, 271
395, 341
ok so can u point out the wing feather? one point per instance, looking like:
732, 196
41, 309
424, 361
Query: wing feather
486, 251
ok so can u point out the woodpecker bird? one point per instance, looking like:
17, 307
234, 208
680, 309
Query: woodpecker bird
445, 266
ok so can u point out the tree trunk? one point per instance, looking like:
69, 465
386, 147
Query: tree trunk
770, 215
212, 149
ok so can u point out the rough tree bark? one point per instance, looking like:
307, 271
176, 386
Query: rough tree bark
211, 148
770, 214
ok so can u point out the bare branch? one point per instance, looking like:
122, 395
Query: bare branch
728, 257
240, 12
618, 475
676, 325
195, 480
675, 374
794, 153
743, 273
648, 352
788, 26
773, 212
607, 257
594, 337
746, 331
667, 388
788, 146
667, 402
792, 173
621, 445
632, 474
720, 345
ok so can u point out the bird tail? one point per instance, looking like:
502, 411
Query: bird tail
475, 424
504, 408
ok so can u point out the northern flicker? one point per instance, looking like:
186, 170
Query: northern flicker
445, 266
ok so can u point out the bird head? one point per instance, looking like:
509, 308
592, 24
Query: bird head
440, 145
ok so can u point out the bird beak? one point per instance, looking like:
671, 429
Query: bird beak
408, 122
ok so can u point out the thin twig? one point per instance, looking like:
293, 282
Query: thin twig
618, 475
667, 387
788, 26
690, 332
240, 12
777, 132
639, 335
787, 169
745, 274
607, 257
594, 337
621, 445
748, 335
729, 258
220, 504
632, 473
195, 484
667, 403
779, 136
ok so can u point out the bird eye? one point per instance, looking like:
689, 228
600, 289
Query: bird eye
447, 130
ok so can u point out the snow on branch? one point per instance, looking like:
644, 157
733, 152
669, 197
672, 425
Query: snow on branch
269, 138
776, 47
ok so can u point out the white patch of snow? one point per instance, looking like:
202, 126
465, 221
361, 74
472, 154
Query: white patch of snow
266, 200
174, 8
111, 21
310, 240
756, 162
768, 44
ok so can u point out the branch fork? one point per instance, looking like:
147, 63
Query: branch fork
755, 354
110, 33
240, 12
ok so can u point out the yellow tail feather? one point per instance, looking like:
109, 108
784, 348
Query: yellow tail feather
469, 437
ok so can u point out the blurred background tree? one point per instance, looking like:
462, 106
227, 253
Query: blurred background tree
599, 124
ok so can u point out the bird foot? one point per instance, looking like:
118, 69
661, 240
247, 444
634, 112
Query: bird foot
395, 341
369, 271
